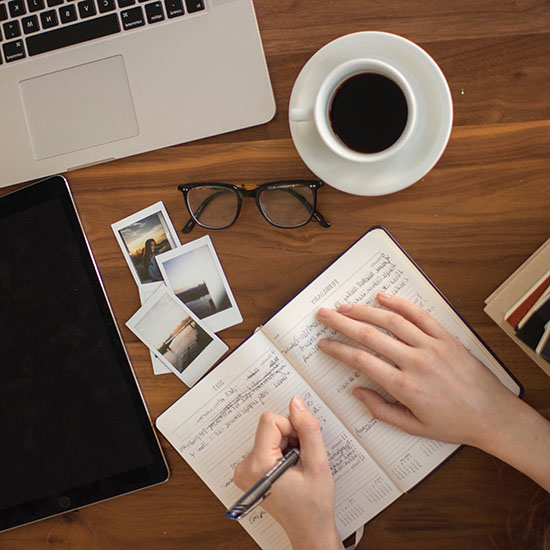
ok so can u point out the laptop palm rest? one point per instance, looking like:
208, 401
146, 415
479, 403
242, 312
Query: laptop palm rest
79, 107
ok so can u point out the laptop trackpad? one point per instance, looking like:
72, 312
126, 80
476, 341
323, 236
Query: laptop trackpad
80, 107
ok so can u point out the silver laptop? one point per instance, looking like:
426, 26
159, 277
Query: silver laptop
88, 81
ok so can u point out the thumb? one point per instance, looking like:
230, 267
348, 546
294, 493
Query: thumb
313, 454
393, 413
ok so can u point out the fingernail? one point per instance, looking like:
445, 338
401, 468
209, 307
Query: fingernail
384, 295
299, 403
322, 343
344, 308
323, 313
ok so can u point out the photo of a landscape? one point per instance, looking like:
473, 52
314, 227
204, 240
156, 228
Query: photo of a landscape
172, 333
196, 281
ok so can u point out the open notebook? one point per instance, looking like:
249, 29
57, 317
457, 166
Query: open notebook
213, 425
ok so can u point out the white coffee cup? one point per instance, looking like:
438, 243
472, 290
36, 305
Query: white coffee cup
319, 112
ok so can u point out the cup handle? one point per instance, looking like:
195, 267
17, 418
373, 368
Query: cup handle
301, 115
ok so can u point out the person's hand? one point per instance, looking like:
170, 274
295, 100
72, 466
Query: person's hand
444, 392
302, 499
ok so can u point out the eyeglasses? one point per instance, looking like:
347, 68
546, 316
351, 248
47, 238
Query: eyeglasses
285, 204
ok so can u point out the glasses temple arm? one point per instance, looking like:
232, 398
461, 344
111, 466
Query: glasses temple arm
189, 225
320, 218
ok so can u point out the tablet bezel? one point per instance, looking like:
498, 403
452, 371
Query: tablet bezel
57, 187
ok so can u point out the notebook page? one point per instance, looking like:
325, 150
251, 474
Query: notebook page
373, 264
213, 426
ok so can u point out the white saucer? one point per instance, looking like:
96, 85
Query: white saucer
424, 147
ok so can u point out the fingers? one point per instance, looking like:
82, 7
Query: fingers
313, 454
394, 323
393, 413
412, 326
413, 313
378, 370
366, 334
272, 433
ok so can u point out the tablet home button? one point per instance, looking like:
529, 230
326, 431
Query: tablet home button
64, 502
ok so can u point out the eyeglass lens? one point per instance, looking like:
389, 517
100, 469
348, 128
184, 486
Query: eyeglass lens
213, 206
217, 207
288, 206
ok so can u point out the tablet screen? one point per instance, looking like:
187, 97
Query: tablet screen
74, 426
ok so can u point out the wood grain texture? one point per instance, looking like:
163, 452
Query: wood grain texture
469, 223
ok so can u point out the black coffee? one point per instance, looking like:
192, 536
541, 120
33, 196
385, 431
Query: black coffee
368, 112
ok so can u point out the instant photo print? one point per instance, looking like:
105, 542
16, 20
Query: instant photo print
145, 292
194, 273
176, 336
142, 237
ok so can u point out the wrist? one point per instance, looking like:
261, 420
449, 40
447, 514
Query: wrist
311, 538
504, 428
494, 423
522, 440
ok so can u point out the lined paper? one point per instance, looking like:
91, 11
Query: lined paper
214, 424
373, 264
213, 428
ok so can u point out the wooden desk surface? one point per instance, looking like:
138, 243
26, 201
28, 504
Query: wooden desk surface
469, 223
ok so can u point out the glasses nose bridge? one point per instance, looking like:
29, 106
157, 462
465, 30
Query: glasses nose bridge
248, 192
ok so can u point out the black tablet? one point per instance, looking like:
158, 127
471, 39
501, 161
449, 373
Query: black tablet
74, 428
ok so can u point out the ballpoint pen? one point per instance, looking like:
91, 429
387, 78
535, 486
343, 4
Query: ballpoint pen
260, 490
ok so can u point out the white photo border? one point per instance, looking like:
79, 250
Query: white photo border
206, 358
222, 319
171, 234
145, 292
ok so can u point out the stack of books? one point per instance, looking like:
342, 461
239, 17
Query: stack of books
521, 306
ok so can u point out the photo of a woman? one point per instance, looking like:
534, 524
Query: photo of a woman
149, 261
142, 237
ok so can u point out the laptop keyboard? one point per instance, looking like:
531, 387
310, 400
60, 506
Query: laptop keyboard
33, 27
